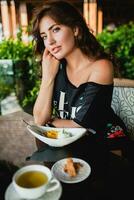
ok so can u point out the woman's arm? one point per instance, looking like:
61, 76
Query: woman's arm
42, 108
64, 123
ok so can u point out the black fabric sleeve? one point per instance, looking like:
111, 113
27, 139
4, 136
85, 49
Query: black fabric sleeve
95, 106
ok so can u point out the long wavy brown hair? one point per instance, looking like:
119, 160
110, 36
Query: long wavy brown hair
66, 14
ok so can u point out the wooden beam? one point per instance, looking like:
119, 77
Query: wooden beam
86, 11
5, 19
93, 16
100, 20
13, 18
24, 21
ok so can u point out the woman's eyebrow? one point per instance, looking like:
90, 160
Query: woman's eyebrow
42, 33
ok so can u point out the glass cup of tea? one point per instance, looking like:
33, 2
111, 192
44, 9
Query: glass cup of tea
32, 181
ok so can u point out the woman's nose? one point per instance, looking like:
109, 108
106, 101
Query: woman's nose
51, 40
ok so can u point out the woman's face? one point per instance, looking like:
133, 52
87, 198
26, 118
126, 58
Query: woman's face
58, 39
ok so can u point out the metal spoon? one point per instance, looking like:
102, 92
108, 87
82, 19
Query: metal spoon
35, 128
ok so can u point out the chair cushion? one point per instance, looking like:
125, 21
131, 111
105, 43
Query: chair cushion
123, 105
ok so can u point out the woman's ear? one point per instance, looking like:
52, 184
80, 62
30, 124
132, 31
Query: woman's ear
76, 31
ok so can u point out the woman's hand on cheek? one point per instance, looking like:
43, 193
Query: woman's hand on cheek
50, 65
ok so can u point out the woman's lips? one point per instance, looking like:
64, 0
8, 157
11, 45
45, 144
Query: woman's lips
56, 50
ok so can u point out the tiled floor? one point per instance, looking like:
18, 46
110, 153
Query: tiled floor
16, 143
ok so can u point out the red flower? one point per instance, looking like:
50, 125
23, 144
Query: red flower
118, 133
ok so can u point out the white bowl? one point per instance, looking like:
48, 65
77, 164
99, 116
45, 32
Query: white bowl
65, 135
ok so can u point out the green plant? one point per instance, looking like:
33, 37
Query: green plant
25, 66
32, 95
120, 42
4, 88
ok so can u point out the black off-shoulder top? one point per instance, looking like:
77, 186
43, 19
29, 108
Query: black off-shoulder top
89, 105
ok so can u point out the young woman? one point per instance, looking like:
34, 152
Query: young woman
77, 75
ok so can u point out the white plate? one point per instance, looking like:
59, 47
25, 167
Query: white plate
65, 135
58, 171
11, 194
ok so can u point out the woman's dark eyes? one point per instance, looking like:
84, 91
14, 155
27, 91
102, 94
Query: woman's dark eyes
44, 37
56, 29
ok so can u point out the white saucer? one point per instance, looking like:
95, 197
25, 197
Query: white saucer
58, 171
11, 194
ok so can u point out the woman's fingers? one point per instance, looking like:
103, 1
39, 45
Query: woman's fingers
46, 53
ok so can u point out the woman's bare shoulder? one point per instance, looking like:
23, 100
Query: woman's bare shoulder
102, 72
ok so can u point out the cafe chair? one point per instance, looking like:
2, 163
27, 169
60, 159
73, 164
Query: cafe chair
123, 105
